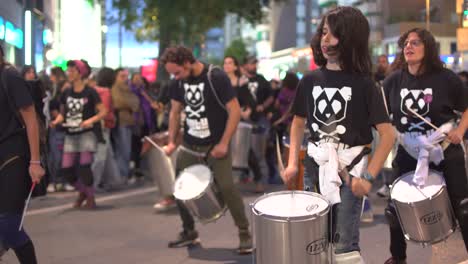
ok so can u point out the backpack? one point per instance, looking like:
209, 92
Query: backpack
37, 93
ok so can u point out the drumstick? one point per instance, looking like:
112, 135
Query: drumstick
278, 155
420, 117
26, 204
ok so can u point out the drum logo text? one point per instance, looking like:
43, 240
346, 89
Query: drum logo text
317, 247
431, 218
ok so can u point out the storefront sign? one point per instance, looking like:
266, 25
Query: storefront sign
10, 34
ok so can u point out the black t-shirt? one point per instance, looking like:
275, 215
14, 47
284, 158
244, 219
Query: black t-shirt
78, 107
260, 88
339, 106
205, 118
434, 96
246, 99
19, 97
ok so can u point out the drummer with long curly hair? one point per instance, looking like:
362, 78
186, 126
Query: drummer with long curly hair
422, 86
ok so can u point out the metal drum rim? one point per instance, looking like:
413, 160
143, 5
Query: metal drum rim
444, 237
290, 219
203, 192
214, 217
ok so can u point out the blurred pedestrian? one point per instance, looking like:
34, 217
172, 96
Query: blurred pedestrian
56, 134
81, 113
126, 105
105, 170
20, 164
340, 103
29, 73
261, 91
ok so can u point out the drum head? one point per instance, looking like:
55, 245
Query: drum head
288, 204
406, 191
192, 182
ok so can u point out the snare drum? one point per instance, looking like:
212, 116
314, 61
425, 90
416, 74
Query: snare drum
291, 227
425, 213
195, 187
240, 146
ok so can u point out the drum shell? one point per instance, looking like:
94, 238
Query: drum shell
428, 221
162, 169
240, 146
207, 206
300, 241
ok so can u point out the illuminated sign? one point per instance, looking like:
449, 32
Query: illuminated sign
2, 28
12, 35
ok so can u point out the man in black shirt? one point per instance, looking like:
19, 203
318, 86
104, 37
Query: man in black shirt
212, 114
261, 91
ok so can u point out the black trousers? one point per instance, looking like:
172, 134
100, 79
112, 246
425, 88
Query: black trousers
453, 169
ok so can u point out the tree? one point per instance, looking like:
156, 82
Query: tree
181, 21
237, 49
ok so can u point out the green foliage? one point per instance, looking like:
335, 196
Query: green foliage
237, 49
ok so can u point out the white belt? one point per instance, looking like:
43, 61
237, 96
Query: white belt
332, 158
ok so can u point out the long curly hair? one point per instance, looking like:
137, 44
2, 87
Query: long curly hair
431, 61
352, 30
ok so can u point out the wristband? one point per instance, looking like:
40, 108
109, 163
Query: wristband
38, 162
368, 177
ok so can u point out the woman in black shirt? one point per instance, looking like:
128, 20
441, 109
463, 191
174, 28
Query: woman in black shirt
422, 83
19, 160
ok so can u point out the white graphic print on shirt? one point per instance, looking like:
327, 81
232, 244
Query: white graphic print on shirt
419, 101
74, 116
253, 87
331, 106
196, 119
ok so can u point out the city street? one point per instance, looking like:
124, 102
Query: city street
125, 229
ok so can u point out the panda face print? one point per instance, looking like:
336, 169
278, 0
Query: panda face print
331, 104
75, 105
194, 94
418, 100
330, 108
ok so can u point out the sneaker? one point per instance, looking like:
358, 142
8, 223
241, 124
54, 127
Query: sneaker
384, 191
164, 205
367, 216
185, 238
245, 242
68, 188
394, 260
51, 188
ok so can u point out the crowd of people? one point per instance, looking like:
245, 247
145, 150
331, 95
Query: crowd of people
91, 124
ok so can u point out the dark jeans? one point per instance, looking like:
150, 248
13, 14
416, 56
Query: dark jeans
10, 237
453, 169
222, 172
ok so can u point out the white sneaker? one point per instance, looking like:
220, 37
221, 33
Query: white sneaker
69, 188
51, 188
384, 191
